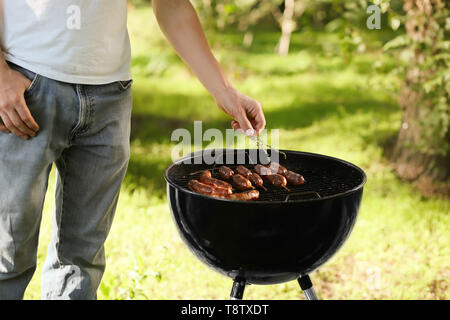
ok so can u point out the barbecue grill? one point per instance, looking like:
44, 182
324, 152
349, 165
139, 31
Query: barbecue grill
282, 236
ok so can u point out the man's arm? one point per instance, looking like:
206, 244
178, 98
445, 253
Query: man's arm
179, 22
15, 116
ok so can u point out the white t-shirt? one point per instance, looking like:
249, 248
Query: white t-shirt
75, 41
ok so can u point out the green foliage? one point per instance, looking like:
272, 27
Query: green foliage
243, 14
423, 51
419, 41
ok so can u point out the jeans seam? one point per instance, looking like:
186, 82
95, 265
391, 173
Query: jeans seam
82, 113
61, 213
14, 249
87, 112
90, 108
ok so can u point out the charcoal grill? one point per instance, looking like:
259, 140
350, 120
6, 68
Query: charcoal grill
282, 236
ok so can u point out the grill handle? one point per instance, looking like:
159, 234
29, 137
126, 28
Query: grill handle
313, 193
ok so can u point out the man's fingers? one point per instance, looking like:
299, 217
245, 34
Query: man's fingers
260, 120
245, 124
4, 129
9, 124
19, 124
25, 115
259, 125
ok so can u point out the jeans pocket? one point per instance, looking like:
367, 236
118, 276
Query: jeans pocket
7, 248
33, 77
33, 84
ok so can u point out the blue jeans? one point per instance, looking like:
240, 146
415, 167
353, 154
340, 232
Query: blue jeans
85, 131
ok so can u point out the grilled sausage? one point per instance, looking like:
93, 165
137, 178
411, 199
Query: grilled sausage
207, 178
294, 178
256, 180
241, 182
278, 168
262, 170
207, 173
209, 190
225, 172
276, 180
202, 188
244, 196
243, 171
199, 187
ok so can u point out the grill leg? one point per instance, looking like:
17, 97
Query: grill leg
307, 287
237, 292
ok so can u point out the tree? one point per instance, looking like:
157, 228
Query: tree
293, 9
420, 151
247, 13
422, 148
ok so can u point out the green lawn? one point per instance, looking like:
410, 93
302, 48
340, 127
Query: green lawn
399, 248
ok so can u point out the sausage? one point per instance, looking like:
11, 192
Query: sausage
244, 196
199, 187
294, 178
225, 172
241, 182
256, 180
276, 180
278, 168
202, 188
243, 171
206, 189
207, 173
262, 170
269, 175
207, 178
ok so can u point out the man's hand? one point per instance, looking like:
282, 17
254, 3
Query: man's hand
15, 116
247, 113
179, 22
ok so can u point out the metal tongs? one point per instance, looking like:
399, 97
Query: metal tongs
261, 145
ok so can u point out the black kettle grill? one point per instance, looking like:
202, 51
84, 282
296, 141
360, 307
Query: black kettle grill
282, 236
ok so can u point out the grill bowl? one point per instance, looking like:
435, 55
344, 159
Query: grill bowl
269, 241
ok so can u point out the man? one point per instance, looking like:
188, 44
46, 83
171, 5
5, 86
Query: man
65, 98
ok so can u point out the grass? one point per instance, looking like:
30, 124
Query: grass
399, 248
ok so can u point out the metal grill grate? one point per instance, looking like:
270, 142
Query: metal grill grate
324, 177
